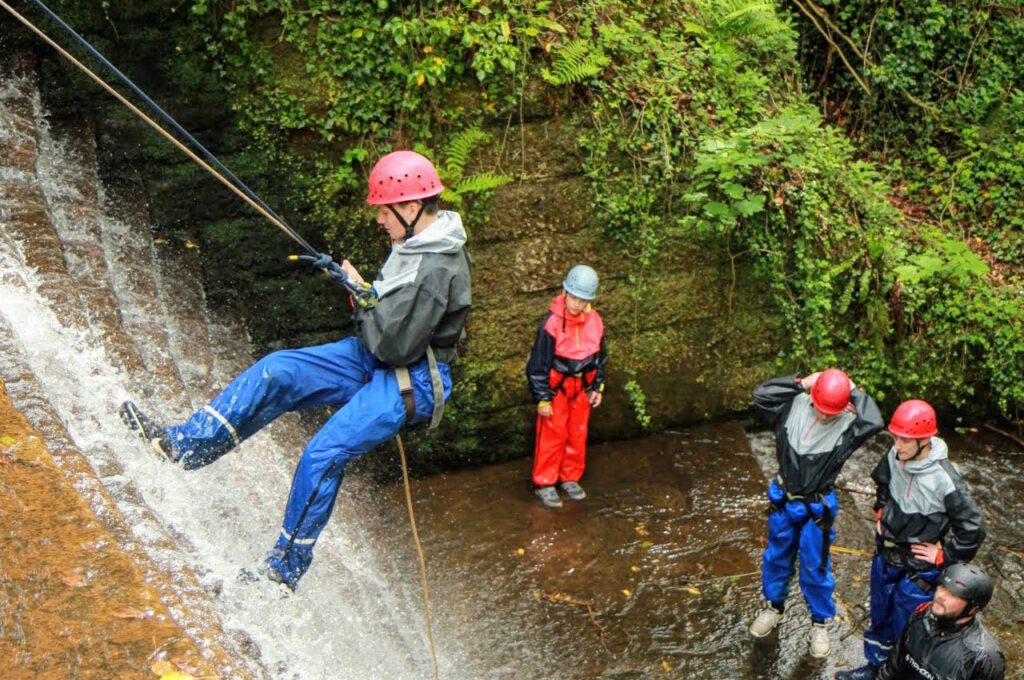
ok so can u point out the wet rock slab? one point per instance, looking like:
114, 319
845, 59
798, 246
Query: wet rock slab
73, 604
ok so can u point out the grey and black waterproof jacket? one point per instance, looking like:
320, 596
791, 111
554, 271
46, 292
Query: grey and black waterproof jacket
926, 651
811, 453
423, 293
924, 501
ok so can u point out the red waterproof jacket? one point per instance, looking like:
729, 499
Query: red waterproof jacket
569, 345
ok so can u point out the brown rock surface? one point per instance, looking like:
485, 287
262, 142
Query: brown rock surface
72, 603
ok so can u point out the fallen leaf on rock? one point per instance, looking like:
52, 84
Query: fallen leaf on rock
167, 670
851, 551
163, 667
73, 579
128, 613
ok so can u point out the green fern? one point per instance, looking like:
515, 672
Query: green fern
458, 150
485, 181
575, 61
741, 18
476, 184
457, 154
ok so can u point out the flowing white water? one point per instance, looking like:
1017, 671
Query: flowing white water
358, 612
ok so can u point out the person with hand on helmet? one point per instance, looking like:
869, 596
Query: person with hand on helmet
925, 518
815, 434
396, 371
566, 376
945, 639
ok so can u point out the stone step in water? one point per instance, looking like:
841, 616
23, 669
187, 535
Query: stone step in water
26, 217
66, 173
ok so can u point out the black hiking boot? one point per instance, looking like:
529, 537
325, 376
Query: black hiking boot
250, 576
863, 673
150, 432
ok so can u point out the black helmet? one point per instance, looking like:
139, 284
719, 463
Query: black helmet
968, 582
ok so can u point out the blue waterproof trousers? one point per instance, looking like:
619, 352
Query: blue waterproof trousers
792, 530
894, 597
343, 373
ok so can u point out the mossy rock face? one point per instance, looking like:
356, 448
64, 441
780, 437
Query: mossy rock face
695, 340
695, 337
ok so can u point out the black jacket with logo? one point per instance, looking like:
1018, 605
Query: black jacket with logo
927, 652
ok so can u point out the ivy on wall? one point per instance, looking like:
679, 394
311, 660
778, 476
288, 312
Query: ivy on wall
697, 120
698, 123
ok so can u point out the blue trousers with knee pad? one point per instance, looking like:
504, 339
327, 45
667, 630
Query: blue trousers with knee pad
792, 531
894, 597
343, 373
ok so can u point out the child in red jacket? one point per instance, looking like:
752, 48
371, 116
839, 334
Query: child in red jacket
566, 376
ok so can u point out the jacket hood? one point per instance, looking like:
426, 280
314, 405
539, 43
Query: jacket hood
445, 235
938, 453
558, 309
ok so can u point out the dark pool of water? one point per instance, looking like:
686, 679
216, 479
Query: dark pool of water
656, 573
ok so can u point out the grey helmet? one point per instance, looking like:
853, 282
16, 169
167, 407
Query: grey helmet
968, 582
581, 281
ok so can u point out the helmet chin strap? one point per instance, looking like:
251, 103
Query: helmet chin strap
409, 226
920, 448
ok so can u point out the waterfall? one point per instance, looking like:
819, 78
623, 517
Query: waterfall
94, 311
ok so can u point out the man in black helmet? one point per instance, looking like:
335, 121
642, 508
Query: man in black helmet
945, 638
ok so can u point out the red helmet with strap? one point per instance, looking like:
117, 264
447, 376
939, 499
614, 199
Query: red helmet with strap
830, 393
403, 176
914, 419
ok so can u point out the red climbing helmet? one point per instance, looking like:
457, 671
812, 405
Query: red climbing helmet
914, 419
403, 176
830, 393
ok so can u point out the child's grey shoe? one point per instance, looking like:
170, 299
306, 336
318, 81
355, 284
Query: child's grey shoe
548, 496
573, 490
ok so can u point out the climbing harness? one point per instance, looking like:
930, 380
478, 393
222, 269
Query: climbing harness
405, 389
824, 522
437, 387
219, 171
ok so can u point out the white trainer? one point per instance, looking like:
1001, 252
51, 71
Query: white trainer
820, 643
765, 622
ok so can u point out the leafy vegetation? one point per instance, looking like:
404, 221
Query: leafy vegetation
696, 122
863, 157
935, 90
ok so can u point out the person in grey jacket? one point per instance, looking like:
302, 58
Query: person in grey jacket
925, 518
815, 434
396, 371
